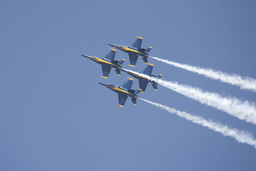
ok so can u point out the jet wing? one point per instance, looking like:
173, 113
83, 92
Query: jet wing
143, 84
106, 70
122, 99
128, 84
148, 70
137, 43
133, 58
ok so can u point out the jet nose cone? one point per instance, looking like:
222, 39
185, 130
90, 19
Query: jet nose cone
102, 84
112, 45
85, 56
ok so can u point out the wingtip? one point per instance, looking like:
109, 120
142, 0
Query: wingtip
139, 37
130, 78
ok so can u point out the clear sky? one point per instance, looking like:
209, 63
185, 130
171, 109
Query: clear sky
55, 116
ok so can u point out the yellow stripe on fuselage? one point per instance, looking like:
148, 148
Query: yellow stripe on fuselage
140, 76
103, 61
131, 50
136, 75
121, 90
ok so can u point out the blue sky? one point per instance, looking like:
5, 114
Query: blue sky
55, 116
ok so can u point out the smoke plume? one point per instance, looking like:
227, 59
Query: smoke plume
233, 79
238, 135
243, 110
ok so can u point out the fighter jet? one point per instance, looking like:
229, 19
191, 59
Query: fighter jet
143, 82
134, 50
107, 62
124, 91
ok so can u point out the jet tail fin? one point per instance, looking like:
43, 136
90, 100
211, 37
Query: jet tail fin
137, 92
142, 50
148, 49
121, 62
131, 91
117, 62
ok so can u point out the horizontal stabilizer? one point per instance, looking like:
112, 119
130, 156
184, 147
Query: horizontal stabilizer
145, 59
154, 85
134, 101
118, 71
159, 76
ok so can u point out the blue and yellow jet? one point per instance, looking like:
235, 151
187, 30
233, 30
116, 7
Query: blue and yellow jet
134, 50
107, 62
143, 82
124, 91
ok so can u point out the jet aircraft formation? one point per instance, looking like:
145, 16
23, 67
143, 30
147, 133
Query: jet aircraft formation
109, 62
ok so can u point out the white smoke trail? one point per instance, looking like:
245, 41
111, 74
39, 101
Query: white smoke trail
233, 79
243, 110
239, 136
